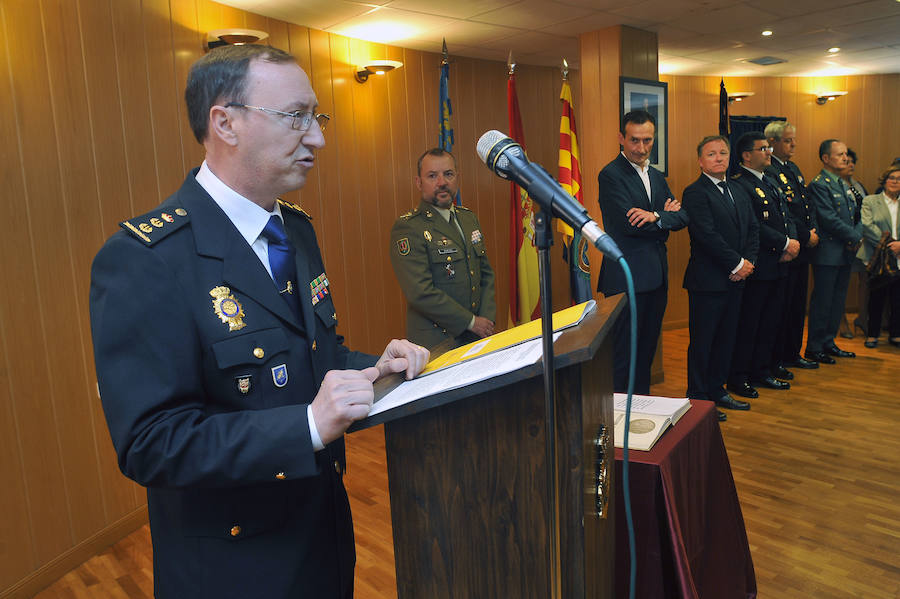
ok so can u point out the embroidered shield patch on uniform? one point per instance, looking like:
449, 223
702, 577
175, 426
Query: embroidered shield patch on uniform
280, 375
403, 246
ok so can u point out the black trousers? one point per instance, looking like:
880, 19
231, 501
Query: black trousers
878, 296
651, 305
789, 339
712, 321
762, 308
826, 306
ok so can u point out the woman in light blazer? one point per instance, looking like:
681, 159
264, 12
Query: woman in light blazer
880, 213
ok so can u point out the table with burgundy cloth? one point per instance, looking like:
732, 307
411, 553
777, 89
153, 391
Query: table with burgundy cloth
689, 530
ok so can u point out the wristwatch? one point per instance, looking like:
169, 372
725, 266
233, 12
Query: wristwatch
656, 214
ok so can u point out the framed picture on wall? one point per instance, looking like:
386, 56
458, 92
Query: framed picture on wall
652, 96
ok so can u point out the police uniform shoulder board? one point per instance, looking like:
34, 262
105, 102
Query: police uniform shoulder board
156, 225
736, 176
295, 208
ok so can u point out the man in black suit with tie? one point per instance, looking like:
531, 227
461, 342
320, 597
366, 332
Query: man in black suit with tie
638, 210
724, 244
782, 137
762, 305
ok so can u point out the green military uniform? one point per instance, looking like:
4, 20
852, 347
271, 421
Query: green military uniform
446, 279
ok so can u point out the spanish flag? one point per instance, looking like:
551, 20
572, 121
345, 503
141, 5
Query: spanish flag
524, 292
570, 179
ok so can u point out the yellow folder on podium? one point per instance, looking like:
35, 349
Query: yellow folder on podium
524, 332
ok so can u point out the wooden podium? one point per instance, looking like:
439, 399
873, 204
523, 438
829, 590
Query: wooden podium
468, 480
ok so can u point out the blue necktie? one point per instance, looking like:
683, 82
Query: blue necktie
281, 260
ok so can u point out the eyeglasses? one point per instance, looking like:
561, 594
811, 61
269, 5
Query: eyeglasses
766, 149
300, 121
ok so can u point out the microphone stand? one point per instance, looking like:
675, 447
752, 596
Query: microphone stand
543, 241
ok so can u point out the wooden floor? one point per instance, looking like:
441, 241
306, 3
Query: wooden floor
816, 468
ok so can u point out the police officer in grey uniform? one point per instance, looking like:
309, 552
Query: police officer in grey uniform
439, 257
841, 235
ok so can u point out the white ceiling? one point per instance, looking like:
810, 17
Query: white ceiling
710, 37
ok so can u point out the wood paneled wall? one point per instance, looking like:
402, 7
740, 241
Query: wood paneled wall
865, 119
93, 131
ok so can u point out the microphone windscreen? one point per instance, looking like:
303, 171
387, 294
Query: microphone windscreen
488, 141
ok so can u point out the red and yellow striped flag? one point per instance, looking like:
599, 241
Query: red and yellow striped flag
570, 179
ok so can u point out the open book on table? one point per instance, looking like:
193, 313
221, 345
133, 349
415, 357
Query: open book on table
651, 416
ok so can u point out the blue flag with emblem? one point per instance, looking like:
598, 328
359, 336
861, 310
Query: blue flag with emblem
445, 109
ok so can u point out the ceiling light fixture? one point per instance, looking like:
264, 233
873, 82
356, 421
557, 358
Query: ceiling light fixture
828, 96
224, 37
739, 96
769, 32
834, 50
376, 67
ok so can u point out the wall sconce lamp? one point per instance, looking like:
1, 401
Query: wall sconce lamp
828, 96
376, 67
223, 37
738, 96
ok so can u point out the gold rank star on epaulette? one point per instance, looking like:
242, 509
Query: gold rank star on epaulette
295, 208
461, 207
156, 225
406, 216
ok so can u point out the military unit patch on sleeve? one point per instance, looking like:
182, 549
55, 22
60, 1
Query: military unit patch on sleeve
403, 246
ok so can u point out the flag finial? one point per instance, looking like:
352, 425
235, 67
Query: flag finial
565, 70
510, 64
445, 57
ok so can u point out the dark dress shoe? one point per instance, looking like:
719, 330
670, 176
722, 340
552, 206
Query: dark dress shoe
871, 344
726, 401
894, 342
783, 373
772, 383
834, 350
743, 389
721, 415
820, 357
801, 362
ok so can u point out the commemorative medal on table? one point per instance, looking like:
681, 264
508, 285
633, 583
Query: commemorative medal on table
318, 288
227, 308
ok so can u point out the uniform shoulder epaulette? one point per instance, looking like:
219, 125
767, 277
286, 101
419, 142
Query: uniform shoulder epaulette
156, 225
294, 207
461, 207
410, 214
736, 176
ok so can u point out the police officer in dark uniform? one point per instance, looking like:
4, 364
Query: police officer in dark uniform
782, 137
225, 386
439, 256
753, 362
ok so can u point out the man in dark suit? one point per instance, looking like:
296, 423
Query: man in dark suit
724, 243
841, 236
782, 136
225, 386
439, 256
762, 304
638, 210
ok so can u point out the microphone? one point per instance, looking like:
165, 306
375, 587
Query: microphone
507, 159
